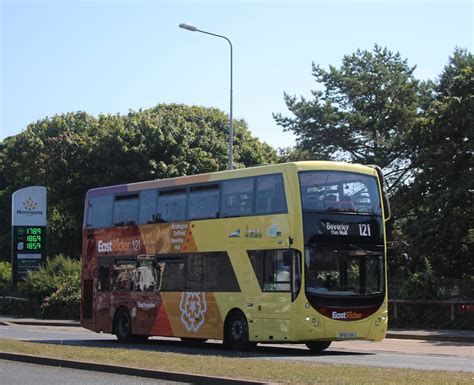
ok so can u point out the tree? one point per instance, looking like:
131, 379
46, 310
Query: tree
441, 210
364, 114
73, 152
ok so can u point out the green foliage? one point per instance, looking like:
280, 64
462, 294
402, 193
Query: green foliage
439, 211
373, 110
46, 280
425, 285
294, 154
63, 303
422, 285
56, 286
364, 114
429, 316
5, 277
74, 152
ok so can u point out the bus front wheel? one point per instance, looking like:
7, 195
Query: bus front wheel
318, 346
236, 333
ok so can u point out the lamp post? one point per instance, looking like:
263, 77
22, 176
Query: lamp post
192, 28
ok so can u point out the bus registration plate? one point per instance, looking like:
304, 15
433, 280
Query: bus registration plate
346, 335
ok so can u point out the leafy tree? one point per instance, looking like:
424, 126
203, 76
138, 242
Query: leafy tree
73, 152
364, 113
440, 210
5, 276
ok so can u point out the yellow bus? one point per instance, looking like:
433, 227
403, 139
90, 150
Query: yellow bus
292, 252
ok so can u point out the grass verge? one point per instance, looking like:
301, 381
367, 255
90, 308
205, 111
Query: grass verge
270, 371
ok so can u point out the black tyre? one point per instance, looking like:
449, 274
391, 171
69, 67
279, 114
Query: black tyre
236, 333
193, 341
123, 328
318, 346
123, 325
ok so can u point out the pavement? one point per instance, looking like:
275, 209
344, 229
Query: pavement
409, 334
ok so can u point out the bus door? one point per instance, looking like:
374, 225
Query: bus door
277, 272
145, 280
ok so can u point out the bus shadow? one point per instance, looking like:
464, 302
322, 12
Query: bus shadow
207, 348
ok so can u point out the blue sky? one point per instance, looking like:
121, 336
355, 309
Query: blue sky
111, 56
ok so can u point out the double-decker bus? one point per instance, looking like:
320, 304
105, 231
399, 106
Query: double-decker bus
282, 253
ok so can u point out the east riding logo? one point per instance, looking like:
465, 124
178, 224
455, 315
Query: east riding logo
347, 315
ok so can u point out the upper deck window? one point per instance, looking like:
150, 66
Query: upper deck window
270, 194
100, 211
237, 197
148, 206
336, 191
203, 202
126, 209
172, 205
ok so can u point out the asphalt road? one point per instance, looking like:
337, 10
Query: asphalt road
394, 353
14, 373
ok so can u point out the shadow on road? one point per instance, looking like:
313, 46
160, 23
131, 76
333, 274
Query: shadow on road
208, 348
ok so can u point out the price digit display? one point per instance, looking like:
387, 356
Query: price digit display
33, 239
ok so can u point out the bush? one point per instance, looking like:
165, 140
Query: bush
429, 316
64, 302
425, 286
57, 286
422, 285
5, 277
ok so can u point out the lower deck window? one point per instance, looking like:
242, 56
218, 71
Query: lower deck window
276, 270
344, 272
178, 272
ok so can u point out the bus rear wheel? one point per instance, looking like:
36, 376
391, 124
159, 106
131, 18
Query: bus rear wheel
236, 333
123, 328
318, 346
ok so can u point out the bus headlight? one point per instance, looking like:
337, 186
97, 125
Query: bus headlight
380, 320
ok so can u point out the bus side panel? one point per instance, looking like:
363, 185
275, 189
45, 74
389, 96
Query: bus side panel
191, 315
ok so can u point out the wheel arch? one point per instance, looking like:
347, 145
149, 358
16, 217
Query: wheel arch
230, 313
233, 311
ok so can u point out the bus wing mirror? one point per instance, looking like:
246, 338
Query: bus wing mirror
386, 204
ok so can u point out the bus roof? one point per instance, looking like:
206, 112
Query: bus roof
229, 174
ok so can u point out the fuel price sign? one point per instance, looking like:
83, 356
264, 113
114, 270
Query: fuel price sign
28, 230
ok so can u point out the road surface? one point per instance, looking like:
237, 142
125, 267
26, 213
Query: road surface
394, 353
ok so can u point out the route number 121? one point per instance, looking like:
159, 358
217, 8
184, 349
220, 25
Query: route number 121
364, 230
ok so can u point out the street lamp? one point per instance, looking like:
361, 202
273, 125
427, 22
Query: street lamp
192, 28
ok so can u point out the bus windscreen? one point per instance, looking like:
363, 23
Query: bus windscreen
343, 192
